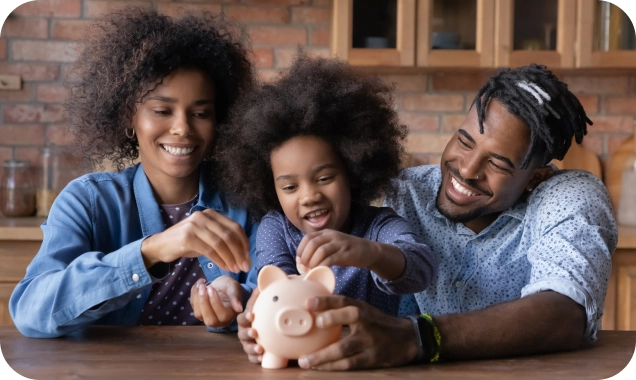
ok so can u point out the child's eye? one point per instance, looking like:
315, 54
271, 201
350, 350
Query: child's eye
203, 115
289, 187
161, 112
325, 179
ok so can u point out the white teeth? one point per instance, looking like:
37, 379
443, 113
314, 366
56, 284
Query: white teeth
461, 188
177, 151
314, 214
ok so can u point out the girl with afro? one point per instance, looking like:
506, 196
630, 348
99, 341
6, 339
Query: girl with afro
137, 246
310, 152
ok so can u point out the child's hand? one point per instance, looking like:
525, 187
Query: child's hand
330, 247
218, 303
246, 334
205, 233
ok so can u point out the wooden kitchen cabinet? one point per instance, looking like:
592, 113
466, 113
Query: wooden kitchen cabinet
487, 33
20, 240
387, 38
620, 301
605, 36
541, 31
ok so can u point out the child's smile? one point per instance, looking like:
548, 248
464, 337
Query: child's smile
312, 185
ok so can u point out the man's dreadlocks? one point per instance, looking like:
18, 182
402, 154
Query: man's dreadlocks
544, 103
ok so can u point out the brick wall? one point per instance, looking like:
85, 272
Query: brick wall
39, 40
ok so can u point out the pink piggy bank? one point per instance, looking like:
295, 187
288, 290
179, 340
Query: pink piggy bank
285, 329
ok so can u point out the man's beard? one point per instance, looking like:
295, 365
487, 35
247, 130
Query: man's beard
456, 218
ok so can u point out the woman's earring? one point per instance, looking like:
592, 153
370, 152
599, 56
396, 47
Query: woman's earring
131, 136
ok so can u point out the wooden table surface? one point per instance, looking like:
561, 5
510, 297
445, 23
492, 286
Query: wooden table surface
191, 352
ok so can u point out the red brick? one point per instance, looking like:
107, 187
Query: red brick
22, 95
594, 142
320, 36
278, 2
70, 29
3, 48
285, 57
603, 85
6, 153
404, 82
589, 103
25, 27
30, 71
263, 58
52, 93
95, 8
620, 105
614, 141
310, 15
470, 97
451, 123
612, 124
28, 134
427, 142
52, 51
416, 121
59, 135
178, 9
416, 159
282, 35
253, 14
429, 102
459, 81
31, 154
25, 113
268, 75
322, 3
50, 8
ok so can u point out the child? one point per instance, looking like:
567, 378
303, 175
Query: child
121, 248
316, 147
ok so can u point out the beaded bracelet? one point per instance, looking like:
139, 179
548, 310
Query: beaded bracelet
436, 335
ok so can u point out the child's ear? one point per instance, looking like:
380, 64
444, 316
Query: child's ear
323, 275
268, 275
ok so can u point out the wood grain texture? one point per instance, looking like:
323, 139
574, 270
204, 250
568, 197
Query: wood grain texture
614, 176
580, 158
193, 353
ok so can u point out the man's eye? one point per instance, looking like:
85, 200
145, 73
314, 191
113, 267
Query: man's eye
463, 143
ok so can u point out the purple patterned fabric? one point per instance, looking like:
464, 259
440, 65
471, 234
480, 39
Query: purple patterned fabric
169, 300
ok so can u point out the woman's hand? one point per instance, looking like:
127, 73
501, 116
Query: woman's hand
330, 247
218, 303
246, 334
376, 339
204, 233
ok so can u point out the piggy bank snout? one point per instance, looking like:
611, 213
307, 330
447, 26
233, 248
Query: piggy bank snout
294, 321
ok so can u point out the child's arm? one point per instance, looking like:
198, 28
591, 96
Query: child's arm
271, 244
400, 262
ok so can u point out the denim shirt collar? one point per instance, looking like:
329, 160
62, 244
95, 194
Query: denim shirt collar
149, 215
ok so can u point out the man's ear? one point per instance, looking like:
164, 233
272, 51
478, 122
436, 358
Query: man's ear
538, 175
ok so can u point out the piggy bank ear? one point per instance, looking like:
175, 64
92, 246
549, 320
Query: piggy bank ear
323, 275
268, 275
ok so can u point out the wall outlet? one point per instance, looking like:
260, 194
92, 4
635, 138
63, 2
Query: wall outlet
10, 82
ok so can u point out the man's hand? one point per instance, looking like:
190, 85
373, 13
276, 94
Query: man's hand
246, 334
218, 303
376, 339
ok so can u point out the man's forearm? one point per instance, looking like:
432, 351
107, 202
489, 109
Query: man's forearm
542, 322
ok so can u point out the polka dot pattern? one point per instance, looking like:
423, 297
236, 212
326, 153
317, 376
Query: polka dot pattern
277, 240
169, 302
560, 238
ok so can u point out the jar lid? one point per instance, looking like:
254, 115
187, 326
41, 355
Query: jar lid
16, 164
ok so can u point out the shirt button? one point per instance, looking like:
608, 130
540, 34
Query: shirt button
135, 277
210, 265
458, 284
138, 296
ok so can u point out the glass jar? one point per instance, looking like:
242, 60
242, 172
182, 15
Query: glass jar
48, 187
17, 193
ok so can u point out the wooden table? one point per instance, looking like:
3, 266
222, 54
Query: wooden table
151, 352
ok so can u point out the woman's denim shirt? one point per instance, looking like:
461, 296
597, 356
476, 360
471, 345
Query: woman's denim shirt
90, 270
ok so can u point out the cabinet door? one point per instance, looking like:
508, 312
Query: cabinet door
5, 294
605, 36
455, 33
374, 32
538, 31
626, 306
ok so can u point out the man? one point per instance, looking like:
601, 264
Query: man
524, 249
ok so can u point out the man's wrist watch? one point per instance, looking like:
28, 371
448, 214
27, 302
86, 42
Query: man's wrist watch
418, 329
